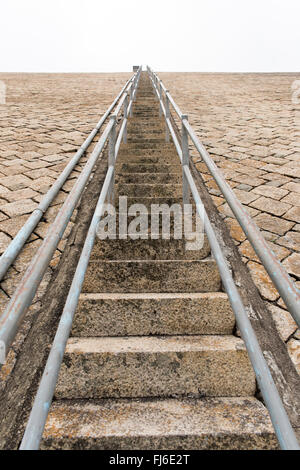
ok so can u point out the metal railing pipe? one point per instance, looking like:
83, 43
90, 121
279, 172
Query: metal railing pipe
43, 399
280, 277
41, 406
22, 297
284, 284
278, 415
279, 418
24, 233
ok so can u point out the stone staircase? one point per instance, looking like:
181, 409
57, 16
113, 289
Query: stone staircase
152, 362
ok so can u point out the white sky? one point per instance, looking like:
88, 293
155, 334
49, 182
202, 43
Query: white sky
169, 35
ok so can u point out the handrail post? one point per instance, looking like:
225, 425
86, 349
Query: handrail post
125, 118
134, 88
167, 116
160, 96
185, 160
111, 157
131, 100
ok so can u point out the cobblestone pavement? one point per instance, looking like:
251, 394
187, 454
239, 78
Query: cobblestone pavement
247, 122
45, 120
251, 128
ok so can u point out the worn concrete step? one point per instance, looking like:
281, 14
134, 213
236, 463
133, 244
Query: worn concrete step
148, 201
150, 111
150, 249
152, 276
146, 178
147, 168
154, 146
154, 127
155, 366
169, 159
125, 152
146, 120
159, 424
145, 140
146, 127
153, 314
149, 190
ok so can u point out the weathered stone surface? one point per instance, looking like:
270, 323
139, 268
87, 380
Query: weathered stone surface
293, 214
155, 366
13, 209
284, 322
4, 242
270, 192
290, 240
149, 249
210, 424
152, 276
263, 282
292, 264
153, 314
271, 206
149, 190
273, 224
294, 351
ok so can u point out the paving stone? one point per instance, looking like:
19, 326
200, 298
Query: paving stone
24, 206
294, 351
292, 186
285, 324
292, 264
236, 230
263, 282
273, 224
292, 198
15, 182
293, 214
27, 193
13, 225
244, 196
271, 206
4, 242
247, 250
290, 240
268, 191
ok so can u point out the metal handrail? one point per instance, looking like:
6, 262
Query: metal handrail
280, 277
19, 240
38, 416
281, 423
23, 295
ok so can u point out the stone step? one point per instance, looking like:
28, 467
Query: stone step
145, 140
153, 314
159, 424
152, 276
155, 366
154, 146
147, 168
143, 128
148, 201
146, 178
148, 249
162, 153
169, 159
153, 127
149, 190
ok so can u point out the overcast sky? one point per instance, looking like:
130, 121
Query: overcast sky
169, 35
